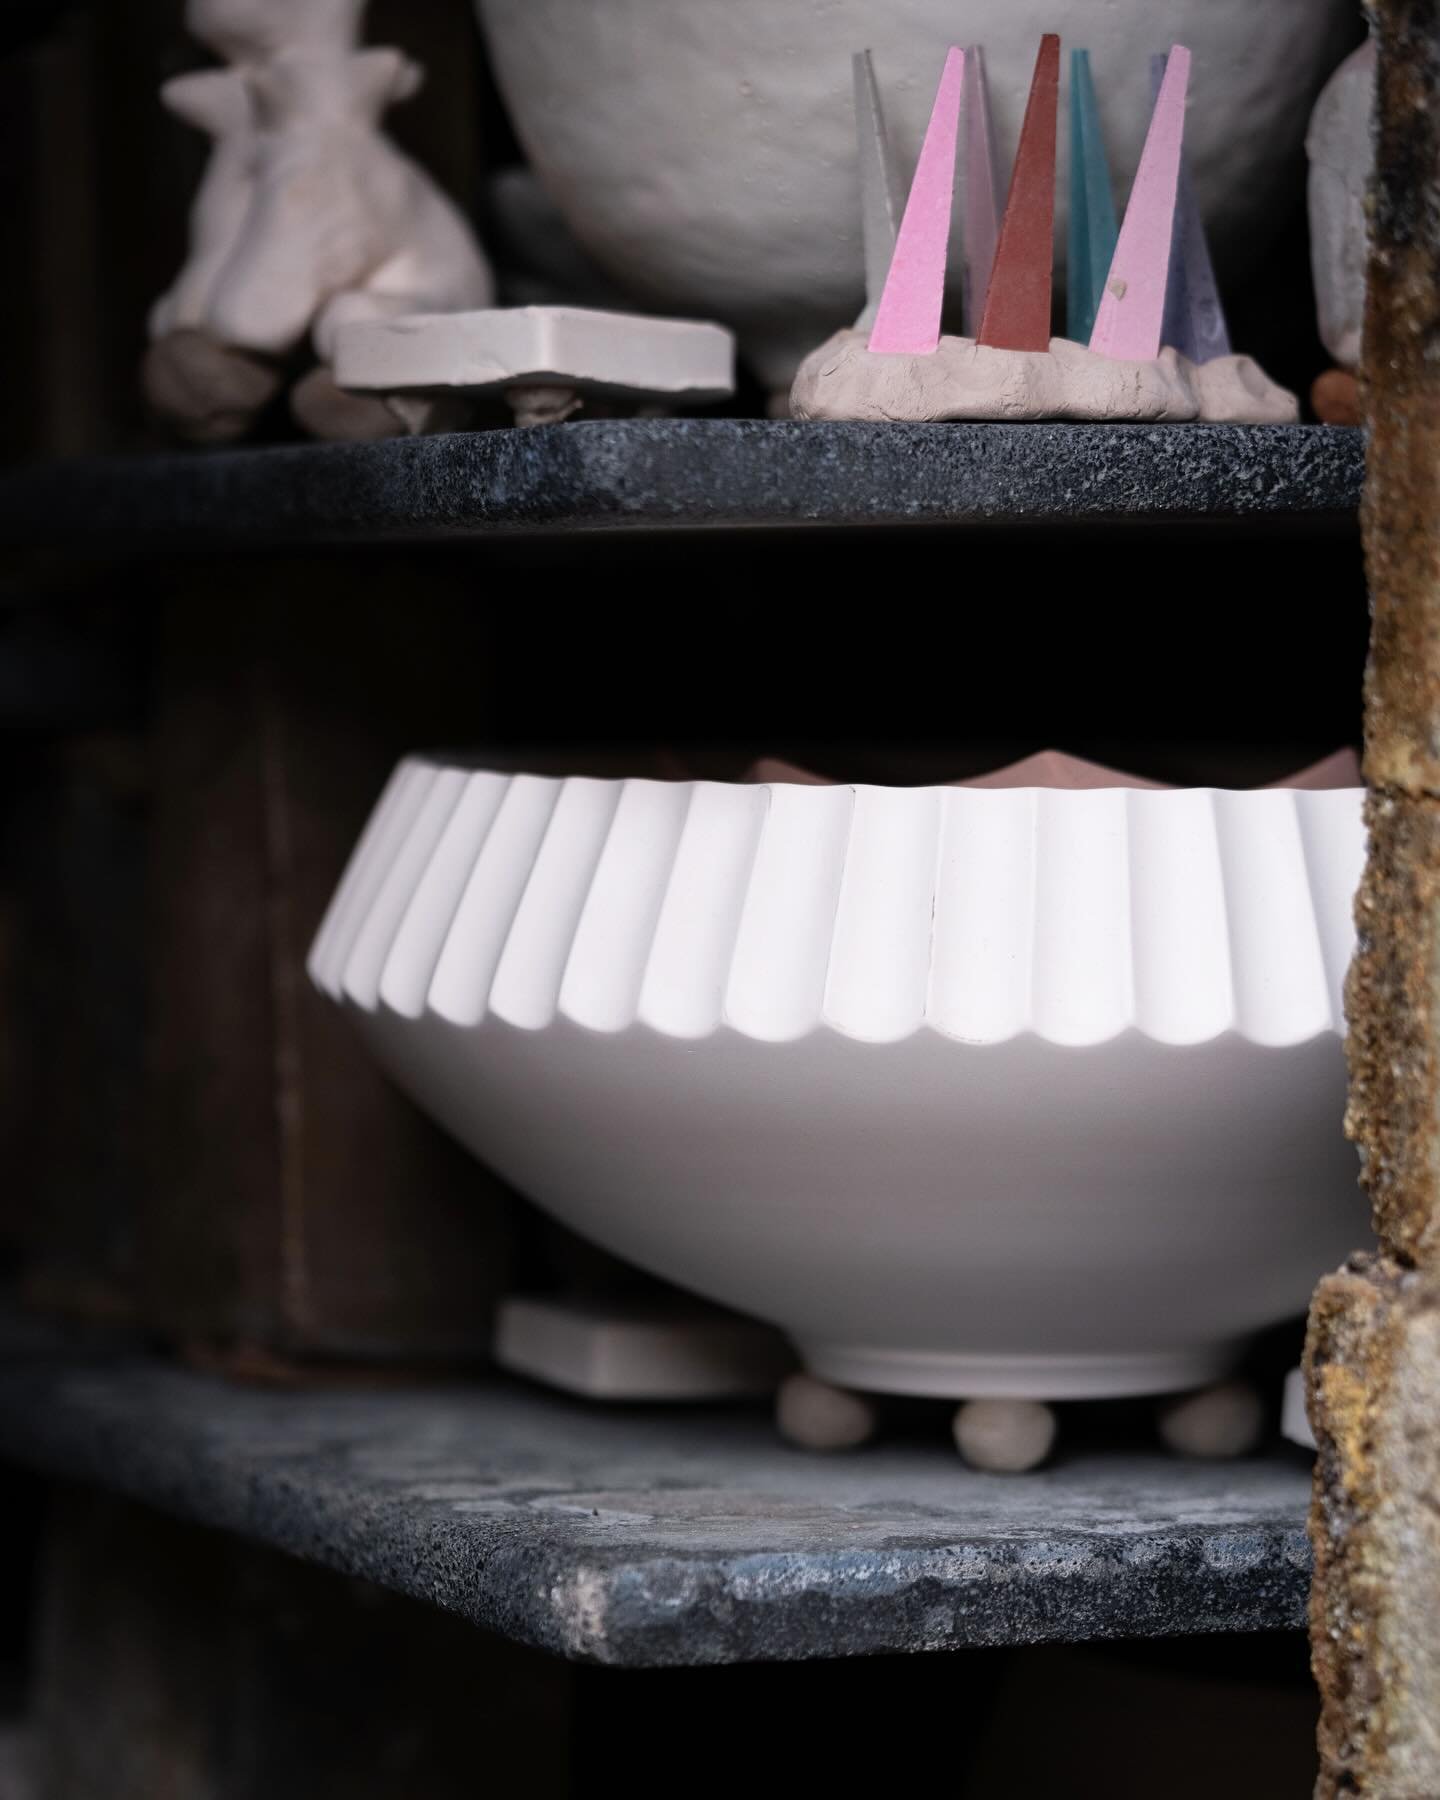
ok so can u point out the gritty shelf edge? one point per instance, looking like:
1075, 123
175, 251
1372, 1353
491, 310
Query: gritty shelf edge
651, 1537
654, 475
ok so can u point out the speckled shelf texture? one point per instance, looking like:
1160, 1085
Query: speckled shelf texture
647, 1537
669, 474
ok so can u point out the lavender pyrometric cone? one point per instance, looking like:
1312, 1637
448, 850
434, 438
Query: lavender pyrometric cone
1195, 322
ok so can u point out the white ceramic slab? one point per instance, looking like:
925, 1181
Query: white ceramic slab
1294, 1420
539, 346
613, 1350
971, 1091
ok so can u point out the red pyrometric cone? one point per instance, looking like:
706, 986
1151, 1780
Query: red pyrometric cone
1017, 305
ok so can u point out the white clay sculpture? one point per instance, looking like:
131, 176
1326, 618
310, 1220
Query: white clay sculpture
251, 31
216, 101
341, 225
1341, 157
308, 216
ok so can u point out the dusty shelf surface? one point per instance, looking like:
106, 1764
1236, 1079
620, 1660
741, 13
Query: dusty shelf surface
690, 1536
658, 475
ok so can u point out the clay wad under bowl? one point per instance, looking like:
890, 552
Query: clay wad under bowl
973, 1092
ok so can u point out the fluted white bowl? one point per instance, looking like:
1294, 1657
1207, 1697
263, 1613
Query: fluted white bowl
973, 1092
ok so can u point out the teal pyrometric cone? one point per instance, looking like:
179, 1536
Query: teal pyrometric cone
1092, 205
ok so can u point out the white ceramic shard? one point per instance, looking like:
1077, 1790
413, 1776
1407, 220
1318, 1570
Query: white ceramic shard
539, 346
1294, 1418
615, 1350
1021, 1092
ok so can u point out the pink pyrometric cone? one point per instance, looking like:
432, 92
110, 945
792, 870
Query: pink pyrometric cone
1132, 306
907, 321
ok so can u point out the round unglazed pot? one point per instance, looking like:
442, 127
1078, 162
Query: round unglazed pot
705, 153
973, 1092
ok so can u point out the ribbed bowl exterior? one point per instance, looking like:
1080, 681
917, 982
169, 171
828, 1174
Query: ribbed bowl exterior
779, 910
985, 1088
